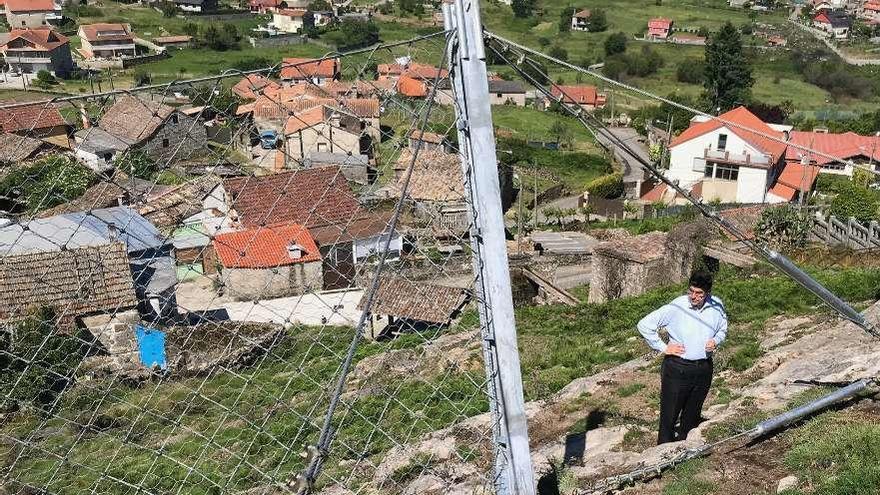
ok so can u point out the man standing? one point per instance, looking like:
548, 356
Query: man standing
696, 324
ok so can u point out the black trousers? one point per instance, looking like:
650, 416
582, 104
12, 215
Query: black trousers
684, 385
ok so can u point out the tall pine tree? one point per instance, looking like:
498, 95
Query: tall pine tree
728, 77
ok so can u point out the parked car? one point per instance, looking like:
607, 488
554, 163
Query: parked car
268, 139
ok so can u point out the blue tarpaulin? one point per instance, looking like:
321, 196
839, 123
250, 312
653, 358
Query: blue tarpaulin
151, 343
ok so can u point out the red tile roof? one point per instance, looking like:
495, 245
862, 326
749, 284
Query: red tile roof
794, 177
252, 85
408, 86
304, 120
312, 197
845, 146
264, 3
93, 32
291, 12
580, 95
822, 17
873, 6
583, 14
44, 39
741, 118
28, 117
30, 5
660, 23
265, 247
307, 68
655, 194
414, 70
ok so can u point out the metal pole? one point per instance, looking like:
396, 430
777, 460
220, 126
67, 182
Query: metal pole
475, 124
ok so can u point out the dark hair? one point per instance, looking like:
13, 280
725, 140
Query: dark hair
701, 280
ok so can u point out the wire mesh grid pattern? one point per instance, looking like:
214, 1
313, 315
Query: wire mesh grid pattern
184, 279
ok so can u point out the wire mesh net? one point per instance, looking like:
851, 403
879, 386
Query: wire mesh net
184, 269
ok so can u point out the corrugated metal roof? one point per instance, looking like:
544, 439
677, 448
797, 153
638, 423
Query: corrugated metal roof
80, 229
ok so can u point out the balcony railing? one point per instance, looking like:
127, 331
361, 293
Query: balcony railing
735, 158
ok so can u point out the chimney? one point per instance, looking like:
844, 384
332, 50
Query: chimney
112, 232
85, 116
295, 251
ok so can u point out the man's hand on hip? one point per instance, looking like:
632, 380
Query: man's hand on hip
674, 349
710, 345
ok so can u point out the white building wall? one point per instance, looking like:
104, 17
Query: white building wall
363, 248
751, 185
681, 156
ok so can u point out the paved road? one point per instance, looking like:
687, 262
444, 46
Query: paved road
632, 169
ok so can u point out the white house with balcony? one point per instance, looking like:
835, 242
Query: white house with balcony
726, 162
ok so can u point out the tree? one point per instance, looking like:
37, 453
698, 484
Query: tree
783, 228
168, 9
597, 22
565, 19
728, 77
562, 133
857, 202
191, 29
558, 52
137, 163
615, 43
320, 6
356, 33
690, 71
142, 77
615, 66
522, 8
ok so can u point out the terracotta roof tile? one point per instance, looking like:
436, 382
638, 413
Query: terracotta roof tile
417, 301
794, 177
312, 197
252, 85
580, 95
75, 282
845, 146
30, 117
368, 225
30, 5
265, 247
105, 31
583, 14
436, 176
660, 23
743, 119
169, 208
411, 87
428, 137
306, 68
133, 119
44, 39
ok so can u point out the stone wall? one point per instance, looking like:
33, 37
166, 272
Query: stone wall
633, 266
267, 283
116, 333
177, 140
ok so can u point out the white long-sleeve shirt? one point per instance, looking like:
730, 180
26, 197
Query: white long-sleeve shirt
686, 325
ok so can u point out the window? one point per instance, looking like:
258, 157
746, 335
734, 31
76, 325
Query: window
722, 142
499, 95
833, 166
174, 119
322, 147
165, 143
726, 172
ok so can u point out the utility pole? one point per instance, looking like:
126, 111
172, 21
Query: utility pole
513, 464
535, 175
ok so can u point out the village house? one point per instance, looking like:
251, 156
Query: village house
196, 5
587, 97
436, 190
15, 149
31, 50
836, 24
42, 121
323, 129
32, 13
580, 19
414, 70
162, 131
854, 149
319, 199
288, 20
355, 167
501, 92
263, 6
106, 41
401, 306
89, 286
151, 257
367, 110
429, 141
253, 85
828, 5
870, 11
299, 70
659, 28
180, 41
269, 262
730, 163
322, 18
98, 149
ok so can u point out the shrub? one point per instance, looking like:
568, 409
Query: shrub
784, 227
856, 202
690, 71
608, 186
597, 22
558, 52
615, 43
142, 77
137, 164
46, 183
